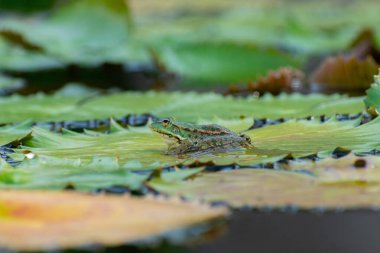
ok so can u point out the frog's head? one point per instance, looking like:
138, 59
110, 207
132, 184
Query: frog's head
168, 128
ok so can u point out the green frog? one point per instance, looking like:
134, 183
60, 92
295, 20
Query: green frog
183, 137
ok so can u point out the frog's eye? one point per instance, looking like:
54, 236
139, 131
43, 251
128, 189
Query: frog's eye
165, 122
247, 138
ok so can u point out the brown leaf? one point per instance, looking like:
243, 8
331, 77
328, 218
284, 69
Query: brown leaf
36, 221
344, 74
281, 80
364, 45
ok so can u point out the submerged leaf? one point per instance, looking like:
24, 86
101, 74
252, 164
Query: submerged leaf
39, 221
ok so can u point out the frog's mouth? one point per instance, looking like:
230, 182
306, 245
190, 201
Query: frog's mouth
168, 138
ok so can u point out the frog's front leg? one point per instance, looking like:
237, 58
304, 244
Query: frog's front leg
181, 147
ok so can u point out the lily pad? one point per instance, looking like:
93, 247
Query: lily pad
134, 149
310, 137
221, 62
83, 32
344, 74
347, 169
9, 84
36, 221
265, 188
59, 174
13, 132
16, 58
292, 25
139, 149
186, 106
373, 94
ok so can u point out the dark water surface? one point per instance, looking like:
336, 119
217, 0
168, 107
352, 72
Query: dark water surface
303, 232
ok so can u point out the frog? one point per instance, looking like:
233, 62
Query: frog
185, 137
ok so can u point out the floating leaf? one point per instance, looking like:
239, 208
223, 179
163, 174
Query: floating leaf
292, 26
138, 149
183, 106
58, 174
9, 84
83, 32
16, 58
347, 169
223, 62
11, 133
264, 188
50, 220
373, 94
141, 149
310, 137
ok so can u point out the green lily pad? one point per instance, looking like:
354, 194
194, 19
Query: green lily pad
183, 106
82, 32
310, 137
221, 62
139, 148
57, 174
265, 188
135, 149
9, 84
16, 58
292, 25
11, 133
373, 94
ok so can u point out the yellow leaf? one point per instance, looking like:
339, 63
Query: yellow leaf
41, 220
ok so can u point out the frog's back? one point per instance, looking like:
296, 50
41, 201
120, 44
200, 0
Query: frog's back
212, 129
216, 129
